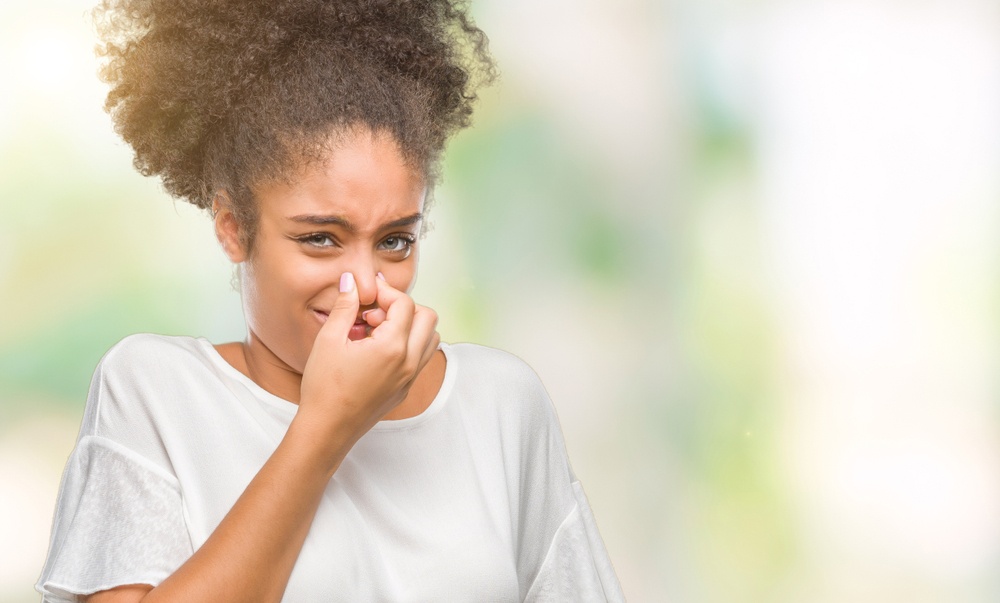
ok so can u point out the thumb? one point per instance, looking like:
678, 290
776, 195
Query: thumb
345, 310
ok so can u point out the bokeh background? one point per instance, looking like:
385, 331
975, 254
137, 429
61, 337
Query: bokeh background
751, 247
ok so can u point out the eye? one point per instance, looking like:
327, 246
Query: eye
398, 245
317, 239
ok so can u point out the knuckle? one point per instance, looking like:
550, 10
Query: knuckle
397, 348
410, 366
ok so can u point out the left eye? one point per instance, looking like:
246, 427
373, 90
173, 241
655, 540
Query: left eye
396, 244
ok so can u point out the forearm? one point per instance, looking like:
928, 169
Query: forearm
347, 386
250, 555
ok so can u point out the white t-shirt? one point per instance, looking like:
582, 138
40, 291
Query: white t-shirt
472, 500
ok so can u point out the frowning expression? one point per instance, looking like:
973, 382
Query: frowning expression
359, 210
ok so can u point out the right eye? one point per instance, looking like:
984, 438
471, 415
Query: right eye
317, 239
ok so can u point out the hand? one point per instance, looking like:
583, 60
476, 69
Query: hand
348, 386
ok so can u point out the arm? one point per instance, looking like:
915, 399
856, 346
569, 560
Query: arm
347, 386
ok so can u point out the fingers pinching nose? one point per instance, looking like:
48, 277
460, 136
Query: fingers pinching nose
376, 316
373, 317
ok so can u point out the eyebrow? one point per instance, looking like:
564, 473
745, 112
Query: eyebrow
332, 220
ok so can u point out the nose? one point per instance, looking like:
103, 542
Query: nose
364, 267
367, 290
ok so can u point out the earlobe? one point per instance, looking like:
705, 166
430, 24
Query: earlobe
227, 228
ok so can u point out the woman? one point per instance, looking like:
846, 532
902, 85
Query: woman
340, 452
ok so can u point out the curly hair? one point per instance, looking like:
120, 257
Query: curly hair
228, 94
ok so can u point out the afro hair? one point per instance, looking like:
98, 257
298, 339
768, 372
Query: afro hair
227, 94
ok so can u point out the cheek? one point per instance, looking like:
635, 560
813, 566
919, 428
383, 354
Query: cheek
253, 289
309, 277
401, 276
411, 269
273, 290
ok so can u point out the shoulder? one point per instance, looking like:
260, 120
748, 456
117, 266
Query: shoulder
137, 376
148, 366
501, 380
480, 358
154, 360
494, 366
150, 349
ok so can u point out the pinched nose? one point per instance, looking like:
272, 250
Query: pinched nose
364, 265
367, 290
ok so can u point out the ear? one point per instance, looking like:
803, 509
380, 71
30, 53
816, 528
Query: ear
227, 228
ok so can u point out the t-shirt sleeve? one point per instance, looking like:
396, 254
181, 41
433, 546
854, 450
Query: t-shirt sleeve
120, 516
119, 520
560, 554
576, 566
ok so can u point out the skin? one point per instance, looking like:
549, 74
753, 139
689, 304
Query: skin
304, 288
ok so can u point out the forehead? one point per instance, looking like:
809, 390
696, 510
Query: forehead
363, 178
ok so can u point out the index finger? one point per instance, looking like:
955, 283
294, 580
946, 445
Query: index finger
398, 306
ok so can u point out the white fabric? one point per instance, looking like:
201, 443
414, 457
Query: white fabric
472, 500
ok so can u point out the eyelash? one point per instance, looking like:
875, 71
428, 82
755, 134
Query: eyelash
312, 239
317, 240
407, 240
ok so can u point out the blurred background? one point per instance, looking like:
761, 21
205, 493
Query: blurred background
751, 247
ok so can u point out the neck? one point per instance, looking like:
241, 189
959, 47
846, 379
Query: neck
269, 371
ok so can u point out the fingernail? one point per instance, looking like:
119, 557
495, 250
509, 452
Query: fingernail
346, 282
364, 315
381, 276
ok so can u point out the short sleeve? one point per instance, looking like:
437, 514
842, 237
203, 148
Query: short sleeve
559, 552
576, 566
119, 520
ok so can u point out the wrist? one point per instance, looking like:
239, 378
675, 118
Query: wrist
323, 445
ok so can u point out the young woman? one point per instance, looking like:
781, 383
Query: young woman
340, 452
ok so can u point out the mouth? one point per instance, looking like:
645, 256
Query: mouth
359, 330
